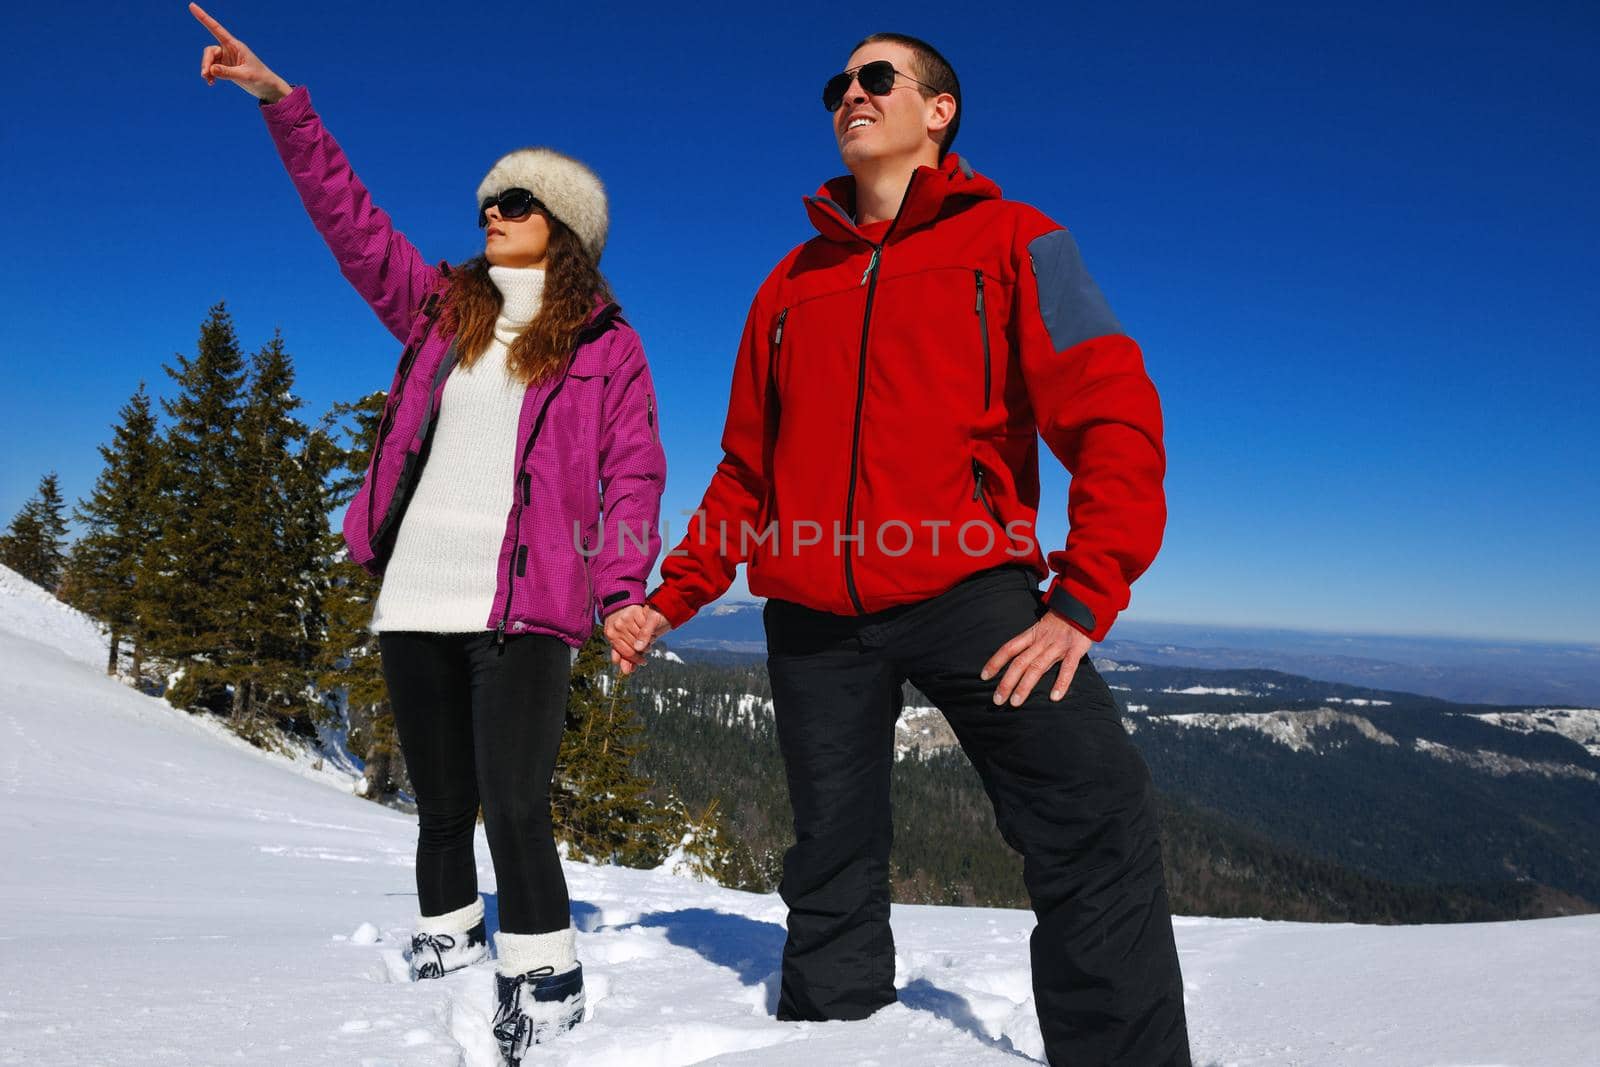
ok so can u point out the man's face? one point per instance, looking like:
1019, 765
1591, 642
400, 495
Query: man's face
877, 128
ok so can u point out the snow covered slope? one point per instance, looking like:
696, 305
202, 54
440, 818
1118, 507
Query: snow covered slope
171, 896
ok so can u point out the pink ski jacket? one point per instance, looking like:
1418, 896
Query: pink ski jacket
581, 536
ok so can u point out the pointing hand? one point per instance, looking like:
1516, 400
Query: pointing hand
231, 60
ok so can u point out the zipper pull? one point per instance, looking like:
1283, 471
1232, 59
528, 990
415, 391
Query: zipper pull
777, 335
977, 480
979, 309
872, 264
500, 633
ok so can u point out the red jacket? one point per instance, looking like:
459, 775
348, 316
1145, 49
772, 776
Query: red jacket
890, 389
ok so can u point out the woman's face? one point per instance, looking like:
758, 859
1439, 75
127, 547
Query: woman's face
523, 242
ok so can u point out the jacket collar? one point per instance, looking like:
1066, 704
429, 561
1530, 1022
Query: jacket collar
604, 315
931, 194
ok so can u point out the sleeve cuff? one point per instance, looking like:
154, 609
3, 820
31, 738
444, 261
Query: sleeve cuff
620, 599
1075, 611
287, 110
665, 600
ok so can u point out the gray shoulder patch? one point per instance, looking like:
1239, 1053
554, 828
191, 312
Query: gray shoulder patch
1070, 303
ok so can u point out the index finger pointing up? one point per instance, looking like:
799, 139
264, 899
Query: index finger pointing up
222, 35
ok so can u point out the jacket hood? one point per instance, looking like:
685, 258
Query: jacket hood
931, 194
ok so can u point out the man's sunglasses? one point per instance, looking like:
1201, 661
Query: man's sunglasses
513, 204
876, 78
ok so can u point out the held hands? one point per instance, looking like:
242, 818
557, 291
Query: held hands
231, 60
1035, 650
631, 631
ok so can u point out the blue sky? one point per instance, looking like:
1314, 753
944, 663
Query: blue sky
1357, 245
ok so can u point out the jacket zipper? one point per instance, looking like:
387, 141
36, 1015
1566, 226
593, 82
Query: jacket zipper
983, 327
869, 278
979, 494
430, 312
525, 497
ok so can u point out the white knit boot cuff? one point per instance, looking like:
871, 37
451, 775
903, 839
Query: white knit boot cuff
521, 953
452, 922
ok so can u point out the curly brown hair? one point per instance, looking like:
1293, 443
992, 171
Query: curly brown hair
572, 282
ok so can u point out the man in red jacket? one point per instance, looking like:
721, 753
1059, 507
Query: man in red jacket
880, 481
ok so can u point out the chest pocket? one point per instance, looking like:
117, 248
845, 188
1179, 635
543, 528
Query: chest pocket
576, 426
582, 396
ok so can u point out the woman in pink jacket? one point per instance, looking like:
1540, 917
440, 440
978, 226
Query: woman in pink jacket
513, 493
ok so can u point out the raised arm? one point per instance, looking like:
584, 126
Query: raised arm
385, 268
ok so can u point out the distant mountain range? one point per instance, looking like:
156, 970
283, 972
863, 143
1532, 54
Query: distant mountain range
1285, 796
1458, 669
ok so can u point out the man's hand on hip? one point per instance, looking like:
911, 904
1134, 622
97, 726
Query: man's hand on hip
1034, 651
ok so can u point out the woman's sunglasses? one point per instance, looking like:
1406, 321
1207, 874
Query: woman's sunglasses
513, 204
876, 78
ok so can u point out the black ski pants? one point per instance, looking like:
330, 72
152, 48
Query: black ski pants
1070, 792
480, 723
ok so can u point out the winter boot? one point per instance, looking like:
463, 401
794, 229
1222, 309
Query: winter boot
449, 942
539, 991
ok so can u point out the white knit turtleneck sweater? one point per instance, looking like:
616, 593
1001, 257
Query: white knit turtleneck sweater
445, 567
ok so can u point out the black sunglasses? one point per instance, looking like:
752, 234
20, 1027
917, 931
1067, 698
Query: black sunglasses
513, 204
876, 78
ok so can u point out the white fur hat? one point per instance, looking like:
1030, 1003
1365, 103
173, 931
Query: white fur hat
571, 191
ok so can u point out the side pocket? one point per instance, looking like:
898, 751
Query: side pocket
588, 570
777, 345
980, 493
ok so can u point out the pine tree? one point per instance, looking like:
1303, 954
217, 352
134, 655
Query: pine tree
35, 543
348, 658
279, 529
188, 573
599, 803
21, 546
710, 851
119, 519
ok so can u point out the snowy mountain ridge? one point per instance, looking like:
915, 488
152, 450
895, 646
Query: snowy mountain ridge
922, 731
1293, 729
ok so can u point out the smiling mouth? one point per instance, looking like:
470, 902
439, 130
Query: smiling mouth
860, 123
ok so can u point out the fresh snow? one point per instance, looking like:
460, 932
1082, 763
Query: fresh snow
174, 896
1206, 690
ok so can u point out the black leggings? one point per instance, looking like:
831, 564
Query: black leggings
480, 723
